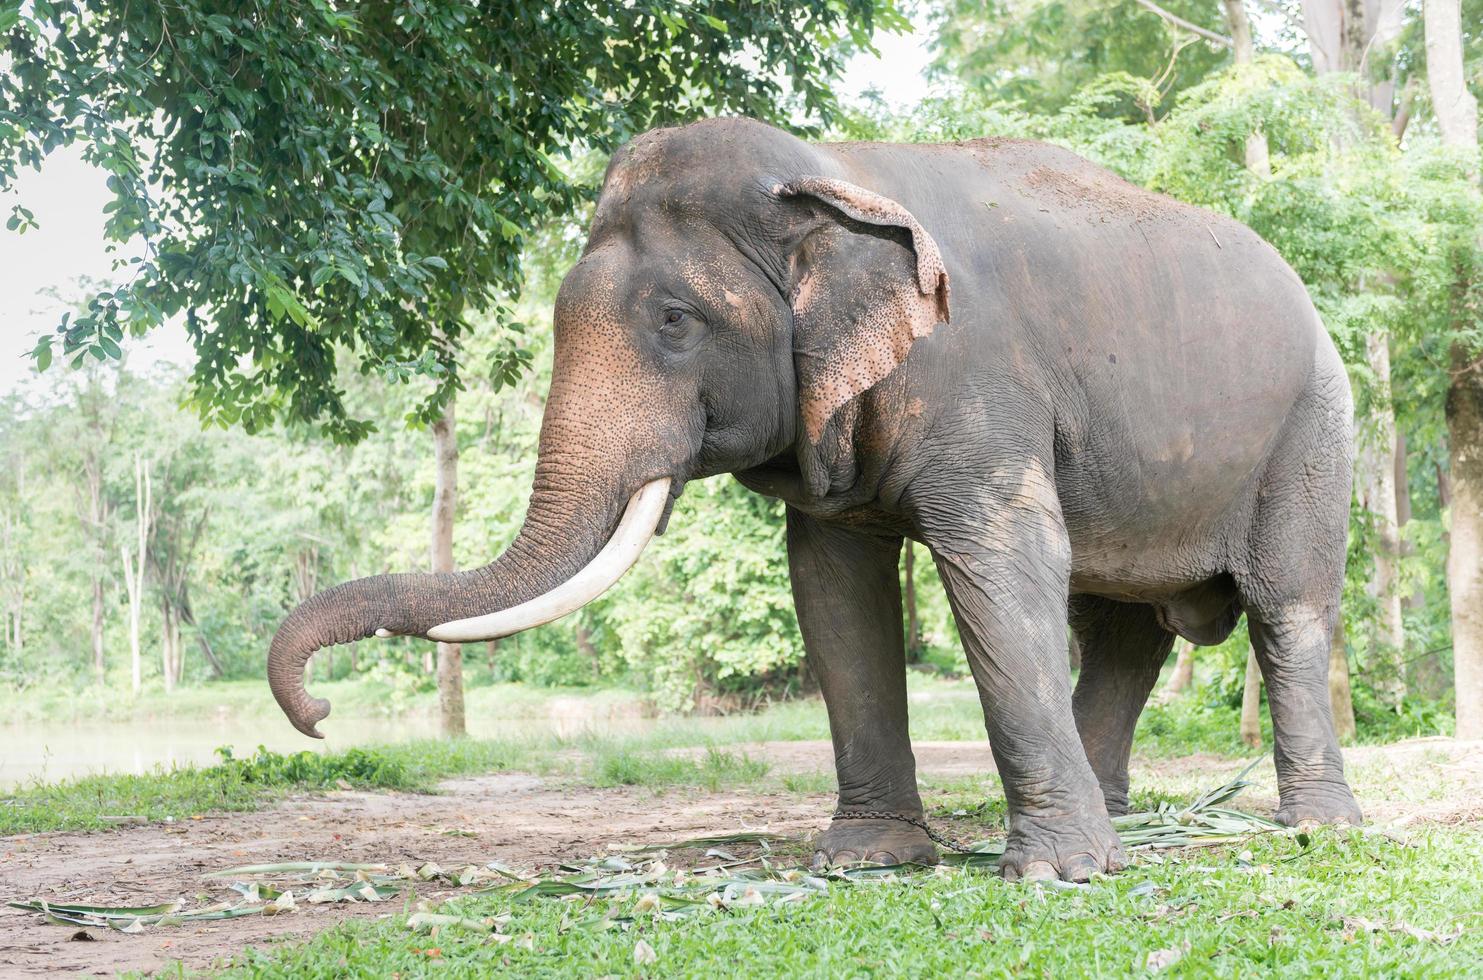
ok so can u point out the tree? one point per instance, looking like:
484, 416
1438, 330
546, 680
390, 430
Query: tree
1046, 53
89, 432
1182, 677
84, 425
1341, 695
1243, 50
914, 645
445, 505
312, 178
134, 564
1457, 118
1251, 702
13, 573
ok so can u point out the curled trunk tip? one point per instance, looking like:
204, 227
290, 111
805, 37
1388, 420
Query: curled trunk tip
316, 710
311, 627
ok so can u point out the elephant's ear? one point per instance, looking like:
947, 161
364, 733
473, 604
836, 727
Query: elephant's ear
859, 298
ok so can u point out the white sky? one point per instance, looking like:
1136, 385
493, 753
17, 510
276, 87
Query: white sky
67, 196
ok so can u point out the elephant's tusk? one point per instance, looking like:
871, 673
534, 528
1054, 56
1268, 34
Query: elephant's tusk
640, 519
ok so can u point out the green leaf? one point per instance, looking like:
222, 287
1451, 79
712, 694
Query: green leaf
295, 866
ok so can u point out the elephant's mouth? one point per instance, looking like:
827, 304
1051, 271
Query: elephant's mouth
640, 522
676, 487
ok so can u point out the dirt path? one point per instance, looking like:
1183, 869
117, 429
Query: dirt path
524, 822
515, 819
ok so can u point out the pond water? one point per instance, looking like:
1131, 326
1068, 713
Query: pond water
54, 750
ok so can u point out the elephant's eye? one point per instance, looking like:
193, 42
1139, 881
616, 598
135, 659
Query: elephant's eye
681, 330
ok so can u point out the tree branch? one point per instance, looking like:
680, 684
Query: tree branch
1178, 21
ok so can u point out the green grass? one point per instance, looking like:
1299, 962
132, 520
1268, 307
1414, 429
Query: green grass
715, 769
181, 792
247, 784
1349, 904
809, 783
1187, 725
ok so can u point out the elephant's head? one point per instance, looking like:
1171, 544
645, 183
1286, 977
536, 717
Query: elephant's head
737, 290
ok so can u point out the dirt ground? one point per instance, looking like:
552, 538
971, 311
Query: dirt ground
525, 822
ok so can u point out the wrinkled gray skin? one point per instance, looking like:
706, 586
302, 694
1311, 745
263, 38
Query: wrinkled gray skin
1113, 410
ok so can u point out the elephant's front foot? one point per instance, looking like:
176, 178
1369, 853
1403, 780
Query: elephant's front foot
1319, 802
877, 841
1069, 846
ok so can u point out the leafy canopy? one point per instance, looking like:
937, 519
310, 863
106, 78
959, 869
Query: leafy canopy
308, 175
1046, 54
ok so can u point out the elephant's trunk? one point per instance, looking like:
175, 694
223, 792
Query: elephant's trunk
540, 577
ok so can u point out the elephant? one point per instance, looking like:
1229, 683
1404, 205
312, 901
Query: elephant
1093, 404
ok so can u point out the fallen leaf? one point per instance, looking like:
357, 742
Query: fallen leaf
1161, 959
283, 903
643, 953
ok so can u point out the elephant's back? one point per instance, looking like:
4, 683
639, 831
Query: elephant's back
1059, 252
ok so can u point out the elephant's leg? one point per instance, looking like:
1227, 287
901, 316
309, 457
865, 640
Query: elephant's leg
848, 595
1005, 560
1290, 587
1292, 648
1123, 648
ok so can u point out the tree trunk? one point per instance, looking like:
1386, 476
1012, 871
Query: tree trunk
1375, 481
1184, 669
99, 667
1341, 698
1251, 703
583, 636
188, 617
1465, 556
134, 567
167, 660
491, 653
1455, 107
1402, 483
169, 646
1258, 156
909, 597
1416, 600
12, 575
445, 503
94, 516
1457, 118
131, 587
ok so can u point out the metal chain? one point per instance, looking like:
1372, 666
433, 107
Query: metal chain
933, 835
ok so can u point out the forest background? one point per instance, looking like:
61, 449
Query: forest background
157, 524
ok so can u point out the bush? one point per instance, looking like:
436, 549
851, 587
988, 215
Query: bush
314, 770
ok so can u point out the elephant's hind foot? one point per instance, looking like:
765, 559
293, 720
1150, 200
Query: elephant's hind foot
851, 841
